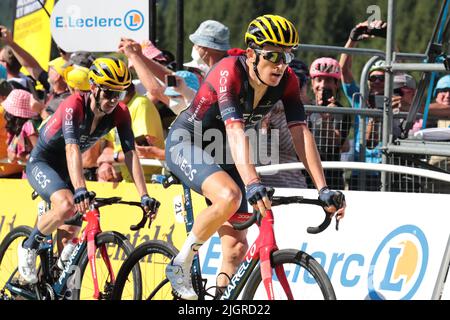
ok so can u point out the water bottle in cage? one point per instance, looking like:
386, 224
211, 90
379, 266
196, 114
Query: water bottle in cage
66, 253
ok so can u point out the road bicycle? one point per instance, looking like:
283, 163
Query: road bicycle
264, 270
72, 283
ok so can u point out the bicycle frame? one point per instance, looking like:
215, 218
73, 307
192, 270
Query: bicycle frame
260, 250
59, 288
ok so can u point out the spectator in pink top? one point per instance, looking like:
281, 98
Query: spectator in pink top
21, 132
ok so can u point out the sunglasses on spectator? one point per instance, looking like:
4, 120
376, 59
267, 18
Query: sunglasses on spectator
376, 77
443, 90
276, 56
113, 95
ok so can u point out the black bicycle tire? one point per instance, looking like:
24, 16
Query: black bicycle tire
148, 247
11, 236
296, 257
105, 238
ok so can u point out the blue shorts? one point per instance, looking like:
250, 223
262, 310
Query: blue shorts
47, 176
192, 165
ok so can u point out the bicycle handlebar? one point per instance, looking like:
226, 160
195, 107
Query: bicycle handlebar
101, 202
276, 201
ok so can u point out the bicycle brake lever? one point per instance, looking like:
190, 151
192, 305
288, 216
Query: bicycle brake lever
150, 220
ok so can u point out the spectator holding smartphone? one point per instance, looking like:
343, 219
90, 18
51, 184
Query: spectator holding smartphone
181, 89
330, 130
362, 32
402, 99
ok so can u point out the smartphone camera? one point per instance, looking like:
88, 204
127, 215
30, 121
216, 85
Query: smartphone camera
327, 94
141, 141
171, 81
377, 32
376, 101
398, 92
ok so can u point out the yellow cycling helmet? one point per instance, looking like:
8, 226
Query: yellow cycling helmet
272, 29
110, 74
77, 78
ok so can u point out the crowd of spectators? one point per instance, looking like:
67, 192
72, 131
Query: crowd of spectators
26, 101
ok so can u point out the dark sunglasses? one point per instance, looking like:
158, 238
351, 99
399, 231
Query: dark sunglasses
442, 90
276, 56
113, 95
376, 77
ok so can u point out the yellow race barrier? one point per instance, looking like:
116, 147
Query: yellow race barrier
17, 208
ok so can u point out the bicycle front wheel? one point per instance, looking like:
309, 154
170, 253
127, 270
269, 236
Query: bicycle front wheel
9, 258
118, 249
152, 258
305, 276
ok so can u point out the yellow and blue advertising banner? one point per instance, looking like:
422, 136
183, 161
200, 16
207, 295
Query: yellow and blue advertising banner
32, 28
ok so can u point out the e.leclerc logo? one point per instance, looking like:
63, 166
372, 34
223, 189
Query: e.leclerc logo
133, 20
398, 265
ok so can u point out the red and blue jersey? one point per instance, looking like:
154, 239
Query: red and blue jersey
72, 122
226, 96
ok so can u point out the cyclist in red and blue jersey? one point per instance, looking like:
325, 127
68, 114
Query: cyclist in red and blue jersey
55, 169
236, 94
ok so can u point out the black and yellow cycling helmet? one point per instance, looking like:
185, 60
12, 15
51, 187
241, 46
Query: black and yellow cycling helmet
110, 74
271, 29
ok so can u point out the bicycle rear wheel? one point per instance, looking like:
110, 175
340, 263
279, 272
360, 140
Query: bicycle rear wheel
9, 258
118, 248
152, 258
305, 276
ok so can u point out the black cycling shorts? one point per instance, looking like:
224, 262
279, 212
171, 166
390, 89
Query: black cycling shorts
46, 176
192, 165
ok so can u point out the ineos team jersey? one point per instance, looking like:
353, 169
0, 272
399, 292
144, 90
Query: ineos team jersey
71, 124
226, 96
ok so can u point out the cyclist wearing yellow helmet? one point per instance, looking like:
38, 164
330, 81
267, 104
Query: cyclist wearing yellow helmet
236, 94
273, 38
54, 169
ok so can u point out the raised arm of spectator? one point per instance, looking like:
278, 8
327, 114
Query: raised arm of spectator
25, 59
346, 63
360, 32
182, 88
439, 110
146, 69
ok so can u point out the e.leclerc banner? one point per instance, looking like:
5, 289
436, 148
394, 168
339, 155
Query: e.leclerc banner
97, 26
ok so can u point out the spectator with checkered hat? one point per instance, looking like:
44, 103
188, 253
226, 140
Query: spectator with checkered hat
21, 132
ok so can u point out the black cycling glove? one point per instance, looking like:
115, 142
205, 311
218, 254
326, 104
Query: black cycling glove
331, 198
256, 191
80, 195
151, 203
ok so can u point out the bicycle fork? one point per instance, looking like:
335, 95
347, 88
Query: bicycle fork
267, 245
92, 229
